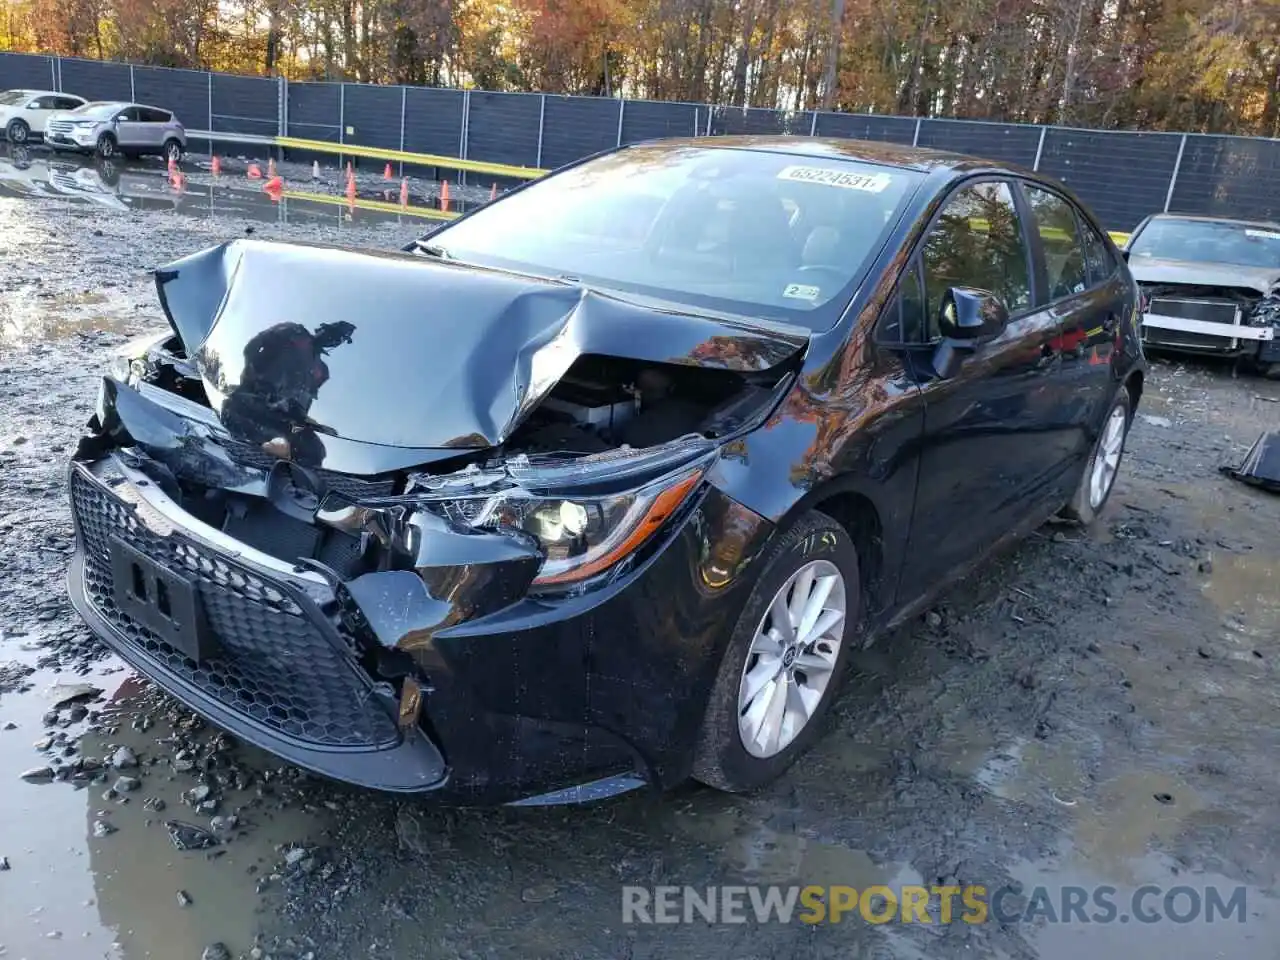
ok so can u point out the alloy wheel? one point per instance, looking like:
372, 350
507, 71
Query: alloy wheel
1106, 462
792, 658
18, 132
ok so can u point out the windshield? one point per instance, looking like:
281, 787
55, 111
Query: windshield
97, 110
9, 97
763, 234
1202, 241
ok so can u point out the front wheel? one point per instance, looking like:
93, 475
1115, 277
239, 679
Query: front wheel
107, 147
1100, 471
18, 131
785, 658
172, 151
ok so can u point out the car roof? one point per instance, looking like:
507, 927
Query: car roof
1231, 221
924, 159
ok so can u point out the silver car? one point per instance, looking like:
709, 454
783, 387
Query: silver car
112, 128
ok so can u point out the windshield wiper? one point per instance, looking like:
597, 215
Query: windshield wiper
431, 250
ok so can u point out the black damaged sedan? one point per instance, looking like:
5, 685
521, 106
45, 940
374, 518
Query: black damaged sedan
596, 487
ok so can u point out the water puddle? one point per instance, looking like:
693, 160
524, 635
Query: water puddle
1034, 771
142, 186
1245, 588
94, 872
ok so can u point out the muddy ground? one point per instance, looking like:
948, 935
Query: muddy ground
1095, 708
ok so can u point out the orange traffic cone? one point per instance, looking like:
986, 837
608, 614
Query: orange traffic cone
215, 166
444, 195
386, 174
350, 171
273, 188
253, 173
493, 192
404, 192
351, 193
173, 166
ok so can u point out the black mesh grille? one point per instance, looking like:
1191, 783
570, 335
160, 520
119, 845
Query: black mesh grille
274, 665
354, 487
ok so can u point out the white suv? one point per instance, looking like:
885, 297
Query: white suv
24, 112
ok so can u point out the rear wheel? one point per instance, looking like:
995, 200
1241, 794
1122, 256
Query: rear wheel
107, 147
18, 131
1100, 472
172, 150
785, 659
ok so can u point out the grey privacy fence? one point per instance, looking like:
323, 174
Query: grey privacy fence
1122, 175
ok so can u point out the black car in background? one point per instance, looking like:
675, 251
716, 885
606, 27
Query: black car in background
598, 485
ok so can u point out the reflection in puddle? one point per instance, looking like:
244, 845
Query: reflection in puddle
1246, 590
120, 895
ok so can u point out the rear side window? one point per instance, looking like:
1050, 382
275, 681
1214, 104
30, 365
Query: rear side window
68, 103
977, 241
1101, 263
1064, 257
151, 115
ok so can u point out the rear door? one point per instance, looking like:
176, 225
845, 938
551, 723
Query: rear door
987, 458
37, 113
1086, 289
155, 122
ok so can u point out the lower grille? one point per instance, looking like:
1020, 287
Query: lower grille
274, 665
60, 128
1211, 311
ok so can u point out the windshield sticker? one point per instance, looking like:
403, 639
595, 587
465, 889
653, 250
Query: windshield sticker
1262, 234
799, 291
872, 183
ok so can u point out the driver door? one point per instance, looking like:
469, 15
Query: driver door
990, 450
130, 131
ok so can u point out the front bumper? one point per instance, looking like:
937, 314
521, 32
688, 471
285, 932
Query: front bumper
1206, 336
528, 699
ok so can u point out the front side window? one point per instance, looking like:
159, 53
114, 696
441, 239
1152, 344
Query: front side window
44, 103
977, 241
1064, 259
765, 234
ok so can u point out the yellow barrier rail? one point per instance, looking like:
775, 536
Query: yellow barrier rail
381, 206
421, 159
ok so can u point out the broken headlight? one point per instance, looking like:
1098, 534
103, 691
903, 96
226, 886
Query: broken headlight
127, 363
582, 530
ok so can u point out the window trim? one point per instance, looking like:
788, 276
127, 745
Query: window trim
913, 261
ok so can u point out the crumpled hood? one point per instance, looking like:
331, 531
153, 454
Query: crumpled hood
399, 350
1154, 270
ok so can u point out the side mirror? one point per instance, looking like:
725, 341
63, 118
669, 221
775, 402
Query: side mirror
967, 318
972, 316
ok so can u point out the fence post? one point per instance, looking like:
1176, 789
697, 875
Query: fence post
133, 92
282, 109
915, 137
710, 114
210, 95
342, 120
466, 125
813, 125
542, 126
404, 104
622, 111
1173, 180
53, 74
1039, 148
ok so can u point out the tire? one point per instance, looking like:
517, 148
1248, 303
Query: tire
1271, 371
1085, 503
107, 146
722, 759
18, 131
172, 150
